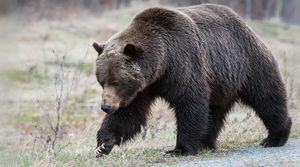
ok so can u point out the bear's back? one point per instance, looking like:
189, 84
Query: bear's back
205, 15
228, 43
211, 14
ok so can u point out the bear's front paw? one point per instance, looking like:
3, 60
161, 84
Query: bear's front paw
103, 149
105, 145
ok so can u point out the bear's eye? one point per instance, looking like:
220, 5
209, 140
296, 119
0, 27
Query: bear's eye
115, 84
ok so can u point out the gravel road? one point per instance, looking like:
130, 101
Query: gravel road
288, 155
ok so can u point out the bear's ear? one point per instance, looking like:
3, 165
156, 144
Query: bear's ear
132, 51
98, 48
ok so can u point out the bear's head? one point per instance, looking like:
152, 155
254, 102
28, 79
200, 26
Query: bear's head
118, 72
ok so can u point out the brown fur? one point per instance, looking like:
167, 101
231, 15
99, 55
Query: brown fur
201, 59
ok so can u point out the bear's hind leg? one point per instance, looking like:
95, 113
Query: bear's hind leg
271, 106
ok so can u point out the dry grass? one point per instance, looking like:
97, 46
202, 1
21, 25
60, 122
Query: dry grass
70, 38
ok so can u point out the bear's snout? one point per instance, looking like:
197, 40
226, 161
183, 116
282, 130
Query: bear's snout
105, 108
110, 109
110, 101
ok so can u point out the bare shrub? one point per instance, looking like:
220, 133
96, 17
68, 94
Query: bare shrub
52, 142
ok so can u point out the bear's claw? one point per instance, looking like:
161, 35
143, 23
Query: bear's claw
98, 150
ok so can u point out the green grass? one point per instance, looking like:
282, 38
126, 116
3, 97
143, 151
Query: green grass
87, 67
2, 148
16, 75
142, 156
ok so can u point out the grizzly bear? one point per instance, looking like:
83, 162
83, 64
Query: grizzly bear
201, 60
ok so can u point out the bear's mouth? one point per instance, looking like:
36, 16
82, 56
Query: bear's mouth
112, 109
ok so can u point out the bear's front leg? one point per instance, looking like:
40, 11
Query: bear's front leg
106, 138
192, 122
123, 124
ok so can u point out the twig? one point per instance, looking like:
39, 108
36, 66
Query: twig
59, 102
70, 121
49, 122
57, 59
56, 97
56, 56
48, 98
47, 115
44, 38
76, 76
90, 71
287, 75
33, 147
41, 134
290, 97
87, 73
62, 148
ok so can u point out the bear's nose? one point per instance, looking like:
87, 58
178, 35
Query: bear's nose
105, 108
